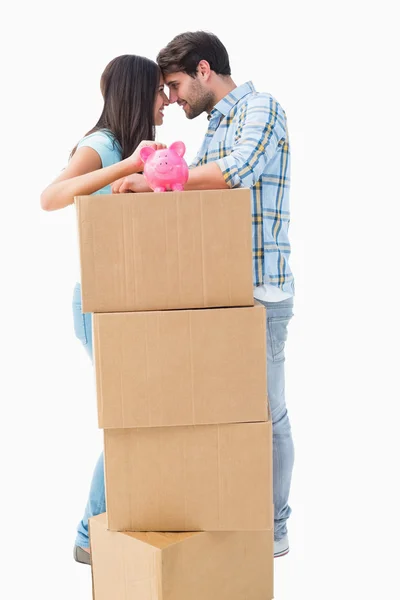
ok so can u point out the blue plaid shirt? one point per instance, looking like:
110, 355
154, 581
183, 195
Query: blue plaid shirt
247, 137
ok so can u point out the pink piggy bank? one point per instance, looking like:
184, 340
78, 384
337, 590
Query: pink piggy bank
165, 169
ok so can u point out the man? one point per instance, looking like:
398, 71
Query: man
246, 145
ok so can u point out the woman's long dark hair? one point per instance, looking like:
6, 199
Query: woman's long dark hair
129, 85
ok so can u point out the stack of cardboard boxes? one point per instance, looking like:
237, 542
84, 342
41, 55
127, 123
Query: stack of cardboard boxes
180, 360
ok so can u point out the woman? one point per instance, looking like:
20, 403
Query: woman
134, 100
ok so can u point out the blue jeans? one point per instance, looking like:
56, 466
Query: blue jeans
278, 317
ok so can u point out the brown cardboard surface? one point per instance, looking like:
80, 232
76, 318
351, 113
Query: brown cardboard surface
181, 566
165, 250
192, 478
180, 367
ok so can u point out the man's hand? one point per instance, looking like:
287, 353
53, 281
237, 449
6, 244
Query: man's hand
131, 183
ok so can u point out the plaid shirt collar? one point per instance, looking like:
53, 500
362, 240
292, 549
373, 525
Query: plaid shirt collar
223, 107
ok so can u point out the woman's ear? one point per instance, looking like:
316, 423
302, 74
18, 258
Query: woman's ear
145, 152
179, 148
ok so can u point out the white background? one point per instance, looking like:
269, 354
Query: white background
334, 68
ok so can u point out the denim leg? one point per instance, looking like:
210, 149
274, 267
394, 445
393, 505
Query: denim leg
278, 317
82, 322
96, 503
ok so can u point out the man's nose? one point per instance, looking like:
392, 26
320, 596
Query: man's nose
173, 96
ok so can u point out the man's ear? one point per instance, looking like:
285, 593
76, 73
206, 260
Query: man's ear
145, 152
204, 69
179, 148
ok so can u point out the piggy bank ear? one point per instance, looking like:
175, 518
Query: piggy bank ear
179, 148
145, 152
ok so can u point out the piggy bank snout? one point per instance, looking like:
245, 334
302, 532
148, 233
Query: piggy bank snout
164, 162
163, 165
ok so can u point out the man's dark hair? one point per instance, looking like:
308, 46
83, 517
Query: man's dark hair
186, 50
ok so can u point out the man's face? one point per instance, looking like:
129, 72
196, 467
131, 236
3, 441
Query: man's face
190, 93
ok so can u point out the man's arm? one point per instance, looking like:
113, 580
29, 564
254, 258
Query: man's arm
133, 183
206, 177
262, 125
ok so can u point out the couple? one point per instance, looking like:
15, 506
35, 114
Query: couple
246, 145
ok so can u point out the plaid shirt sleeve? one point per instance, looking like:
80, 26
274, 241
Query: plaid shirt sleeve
256, 140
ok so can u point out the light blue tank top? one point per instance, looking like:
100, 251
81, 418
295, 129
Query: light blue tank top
106, 147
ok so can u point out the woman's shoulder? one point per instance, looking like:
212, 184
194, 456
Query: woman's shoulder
100, 136
104, 142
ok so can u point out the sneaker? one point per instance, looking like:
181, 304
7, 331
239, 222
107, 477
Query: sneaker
281, 547
81, 556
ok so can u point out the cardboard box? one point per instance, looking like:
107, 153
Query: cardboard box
181, 566
165, 251
195, 478
184, 367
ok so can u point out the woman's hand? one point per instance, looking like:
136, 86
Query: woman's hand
135, 182
135, 156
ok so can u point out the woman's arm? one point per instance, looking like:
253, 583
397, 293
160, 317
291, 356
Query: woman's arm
84, 176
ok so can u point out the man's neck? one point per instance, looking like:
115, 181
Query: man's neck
223, 85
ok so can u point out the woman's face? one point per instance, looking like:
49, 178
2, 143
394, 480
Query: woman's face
160, 102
